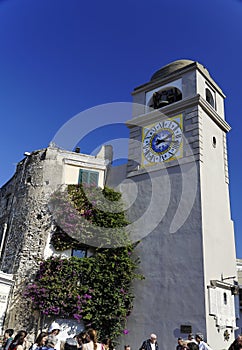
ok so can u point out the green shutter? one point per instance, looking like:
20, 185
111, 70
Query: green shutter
93, 178
88, 177
83, 177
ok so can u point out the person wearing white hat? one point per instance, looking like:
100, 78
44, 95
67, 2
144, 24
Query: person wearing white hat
54, 330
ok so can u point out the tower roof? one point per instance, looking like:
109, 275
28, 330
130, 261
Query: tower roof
176, 66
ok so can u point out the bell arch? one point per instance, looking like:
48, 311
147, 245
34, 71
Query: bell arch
164, 97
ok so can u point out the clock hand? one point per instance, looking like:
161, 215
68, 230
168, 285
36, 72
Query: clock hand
158, 141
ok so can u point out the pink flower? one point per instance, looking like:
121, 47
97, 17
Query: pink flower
125, 331
77, 317
87, 296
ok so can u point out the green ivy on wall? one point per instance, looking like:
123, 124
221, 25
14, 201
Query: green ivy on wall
89, 215
96, 290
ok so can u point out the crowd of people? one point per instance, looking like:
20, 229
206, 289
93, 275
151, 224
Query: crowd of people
192, 343
197, 343
86, 340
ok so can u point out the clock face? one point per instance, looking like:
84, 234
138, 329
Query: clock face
162, 141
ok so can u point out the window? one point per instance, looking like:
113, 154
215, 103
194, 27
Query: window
79, 253
225, 299
209, 98
88, 177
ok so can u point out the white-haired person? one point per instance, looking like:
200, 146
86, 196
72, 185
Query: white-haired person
150, 344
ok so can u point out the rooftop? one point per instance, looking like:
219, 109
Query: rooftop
176, 66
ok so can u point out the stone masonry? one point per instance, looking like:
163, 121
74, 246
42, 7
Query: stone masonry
28, 224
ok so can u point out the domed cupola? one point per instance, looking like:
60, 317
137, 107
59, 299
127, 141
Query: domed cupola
176, 81
170, 68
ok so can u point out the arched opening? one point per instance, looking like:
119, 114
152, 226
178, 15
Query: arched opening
165, 97
209, 97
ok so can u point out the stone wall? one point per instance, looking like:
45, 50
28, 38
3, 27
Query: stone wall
24, 208
26, 222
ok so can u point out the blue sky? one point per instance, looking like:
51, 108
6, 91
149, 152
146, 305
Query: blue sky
58, 58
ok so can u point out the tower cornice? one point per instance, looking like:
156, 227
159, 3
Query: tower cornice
177, 107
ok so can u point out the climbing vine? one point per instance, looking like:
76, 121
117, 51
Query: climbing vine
88, 215
98, 289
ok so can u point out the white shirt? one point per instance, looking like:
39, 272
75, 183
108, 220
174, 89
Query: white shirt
204, 346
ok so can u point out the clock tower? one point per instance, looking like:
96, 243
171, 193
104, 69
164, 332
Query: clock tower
181, 214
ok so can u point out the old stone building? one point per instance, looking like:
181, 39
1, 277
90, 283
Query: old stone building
178, 164
26, 221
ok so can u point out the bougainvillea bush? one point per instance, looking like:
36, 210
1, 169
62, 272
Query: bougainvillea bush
97, 289
89, 215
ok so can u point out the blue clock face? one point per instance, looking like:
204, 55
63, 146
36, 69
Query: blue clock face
162, 141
